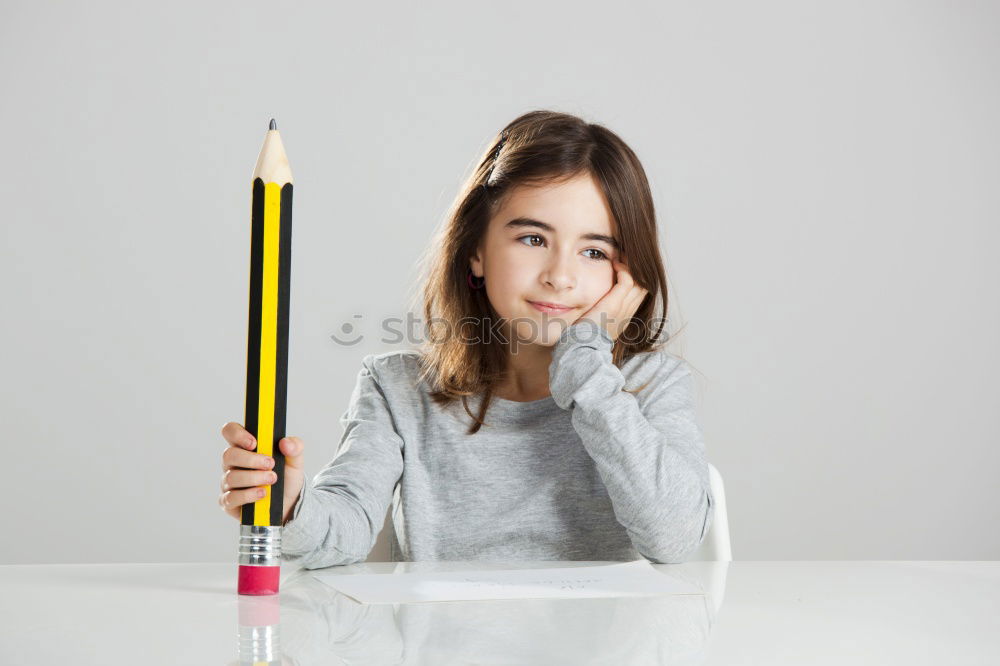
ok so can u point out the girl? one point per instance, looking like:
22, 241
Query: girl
512, 435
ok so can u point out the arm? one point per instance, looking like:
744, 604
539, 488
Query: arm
339, 515
651, 459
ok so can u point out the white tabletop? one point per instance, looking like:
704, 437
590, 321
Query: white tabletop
752, 613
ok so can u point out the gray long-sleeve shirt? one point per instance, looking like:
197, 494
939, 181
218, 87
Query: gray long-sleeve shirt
589, 473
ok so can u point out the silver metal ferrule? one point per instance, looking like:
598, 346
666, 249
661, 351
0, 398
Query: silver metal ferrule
260, 545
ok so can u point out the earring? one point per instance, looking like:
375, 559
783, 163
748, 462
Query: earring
473, 281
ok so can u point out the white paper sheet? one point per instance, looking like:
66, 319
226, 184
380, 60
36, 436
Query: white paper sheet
627, 579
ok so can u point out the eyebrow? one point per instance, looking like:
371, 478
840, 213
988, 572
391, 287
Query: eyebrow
519, 222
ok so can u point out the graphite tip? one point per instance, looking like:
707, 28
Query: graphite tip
274, 125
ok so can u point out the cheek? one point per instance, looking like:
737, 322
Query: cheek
596, 286
508, 275
503, 289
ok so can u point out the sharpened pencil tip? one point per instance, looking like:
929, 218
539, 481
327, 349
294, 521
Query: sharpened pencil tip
274, 125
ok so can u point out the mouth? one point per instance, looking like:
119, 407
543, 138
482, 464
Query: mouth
552, 308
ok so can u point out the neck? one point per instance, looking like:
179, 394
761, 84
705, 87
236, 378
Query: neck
526, 376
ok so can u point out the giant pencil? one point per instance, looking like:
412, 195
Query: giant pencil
267, 360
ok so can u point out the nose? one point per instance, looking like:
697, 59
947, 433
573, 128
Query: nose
560, 273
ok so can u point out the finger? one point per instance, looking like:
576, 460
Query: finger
623, 281
624, 276
622, 291
643, 293
629, 312
629, 305
234, 498
636, 297
606, 308
237, 435
237, 479
235, 457
292, 448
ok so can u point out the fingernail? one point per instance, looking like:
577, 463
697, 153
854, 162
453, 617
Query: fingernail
260, 493
272, 477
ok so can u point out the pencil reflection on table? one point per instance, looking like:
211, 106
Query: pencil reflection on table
320, 625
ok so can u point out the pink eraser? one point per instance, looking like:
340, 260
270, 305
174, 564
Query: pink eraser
258, 580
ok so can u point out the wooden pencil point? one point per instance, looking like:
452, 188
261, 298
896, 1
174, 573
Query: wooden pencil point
274, 125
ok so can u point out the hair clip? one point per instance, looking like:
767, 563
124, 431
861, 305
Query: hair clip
496, 154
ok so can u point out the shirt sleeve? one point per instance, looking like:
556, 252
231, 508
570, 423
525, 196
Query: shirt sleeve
650, 458
339, 515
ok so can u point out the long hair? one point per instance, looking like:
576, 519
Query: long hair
535, 148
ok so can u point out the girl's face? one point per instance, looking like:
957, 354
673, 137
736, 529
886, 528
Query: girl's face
550, 244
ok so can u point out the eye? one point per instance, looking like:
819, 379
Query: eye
601, 256
531, 236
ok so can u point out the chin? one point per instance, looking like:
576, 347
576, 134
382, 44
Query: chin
543, 331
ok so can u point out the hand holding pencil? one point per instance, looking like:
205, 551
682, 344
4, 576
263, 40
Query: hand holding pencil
245, 472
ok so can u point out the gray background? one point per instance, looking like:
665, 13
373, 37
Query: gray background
826, 180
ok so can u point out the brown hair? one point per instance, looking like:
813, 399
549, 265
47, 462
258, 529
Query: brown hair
540, 147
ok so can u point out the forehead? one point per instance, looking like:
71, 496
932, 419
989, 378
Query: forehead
575, 206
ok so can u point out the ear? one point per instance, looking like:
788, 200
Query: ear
476, 264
